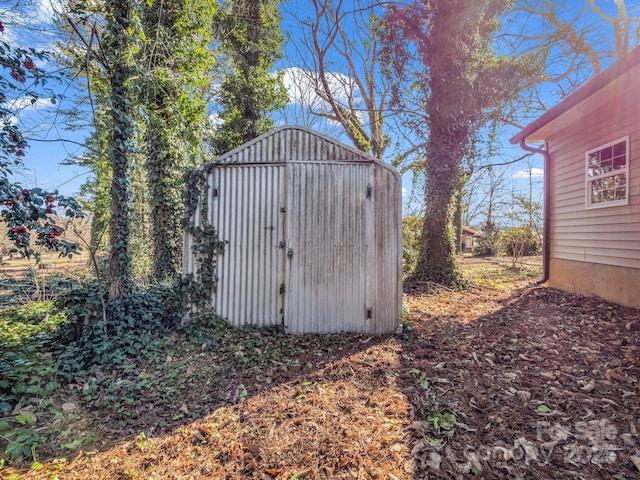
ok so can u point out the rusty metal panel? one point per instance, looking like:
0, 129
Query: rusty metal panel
287, 144
386, 243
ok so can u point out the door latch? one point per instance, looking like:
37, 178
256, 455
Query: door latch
290, 253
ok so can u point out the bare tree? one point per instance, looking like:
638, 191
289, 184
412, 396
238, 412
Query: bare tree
339, 79
578, 40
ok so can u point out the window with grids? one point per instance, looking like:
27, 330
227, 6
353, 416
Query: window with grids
608, 174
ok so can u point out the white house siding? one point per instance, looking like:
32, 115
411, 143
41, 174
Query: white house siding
599, 236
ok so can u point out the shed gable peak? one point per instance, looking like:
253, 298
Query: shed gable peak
292, 144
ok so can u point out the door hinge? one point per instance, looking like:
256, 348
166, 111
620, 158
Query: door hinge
369, 313
369, 190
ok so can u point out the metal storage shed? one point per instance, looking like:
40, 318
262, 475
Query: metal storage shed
314, 235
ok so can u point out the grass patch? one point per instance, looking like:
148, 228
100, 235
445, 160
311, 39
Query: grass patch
498, 272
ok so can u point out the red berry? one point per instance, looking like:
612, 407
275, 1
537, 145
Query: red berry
19, 230
17, 76
50, 199
28, 64
1, 27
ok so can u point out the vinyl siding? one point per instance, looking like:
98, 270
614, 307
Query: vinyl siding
605, 235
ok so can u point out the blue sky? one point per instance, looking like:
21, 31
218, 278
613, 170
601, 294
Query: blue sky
42, 122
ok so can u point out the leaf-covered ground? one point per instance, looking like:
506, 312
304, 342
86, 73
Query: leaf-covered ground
507, 380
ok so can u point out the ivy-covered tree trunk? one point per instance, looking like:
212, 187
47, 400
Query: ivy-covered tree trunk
175, 97
251, 39
445, 147
443, 50
118, 45
165, 177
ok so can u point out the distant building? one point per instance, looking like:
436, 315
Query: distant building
468, 239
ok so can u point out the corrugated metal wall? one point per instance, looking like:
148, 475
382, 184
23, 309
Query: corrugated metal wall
386, 291
314, 235
327, 234
247, 214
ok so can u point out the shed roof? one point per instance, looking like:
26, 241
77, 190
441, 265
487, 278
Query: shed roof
597, 83
288, 144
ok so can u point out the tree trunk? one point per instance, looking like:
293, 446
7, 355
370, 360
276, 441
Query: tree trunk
436, 262
165, 170
118, 43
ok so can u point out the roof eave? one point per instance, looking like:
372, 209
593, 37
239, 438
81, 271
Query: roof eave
597, 83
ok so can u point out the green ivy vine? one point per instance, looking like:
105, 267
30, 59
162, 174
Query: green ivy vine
206, 245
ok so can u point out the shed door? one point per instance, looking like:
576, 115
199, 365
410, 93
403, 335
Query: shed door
247, 208
326, 277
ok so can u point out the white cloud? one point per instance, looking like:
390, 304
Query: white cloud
215, 121
405, 192
46, 10
535, 172
23, 103
303, 87
300, 86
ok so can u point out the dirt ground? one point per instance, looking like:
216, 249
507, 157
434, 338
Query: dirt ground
506, 380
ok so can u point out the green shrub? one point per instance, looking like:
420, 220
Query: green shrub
43, 345
488, 242
411, 232
520, 241
28, 336
114, 333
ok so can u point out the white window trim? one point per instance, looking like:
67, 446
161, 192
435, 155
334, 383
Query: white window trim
624, 170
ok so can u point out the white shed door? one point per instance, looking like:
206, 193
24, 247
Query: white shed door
326, 243
247, 207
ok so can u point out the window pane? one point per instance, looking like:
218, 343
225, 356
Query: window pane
606, 153
621, 193
594, 164
620, 180
596, 196
619, 162
620, 149
608, 182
